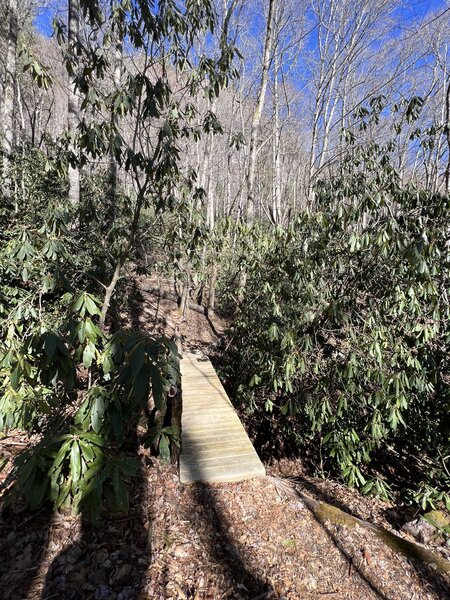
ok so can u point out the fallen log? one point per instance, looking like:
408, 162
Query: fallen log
325, 512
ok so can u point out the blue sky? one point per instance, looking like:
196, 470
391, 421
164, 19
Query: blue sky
43, 20
414, 9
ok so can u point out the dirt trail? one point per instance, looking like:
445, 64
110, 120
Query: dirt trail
247, 541
236, 541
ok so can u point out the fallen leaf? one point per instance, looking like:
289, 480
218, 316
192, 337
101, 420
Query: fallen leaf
367, 557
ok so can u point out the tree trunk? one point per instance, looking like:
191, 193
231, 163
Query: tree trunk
109, 292
447, 135
208, 175
112, 159
276, 143
73, 102
184, 299
257, 114
212, 288
110, 288
242, 283
175, 298
9, 87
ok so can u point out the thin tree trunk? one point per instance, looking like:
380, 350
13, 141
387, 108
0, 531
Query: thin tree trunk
212, 288
276, 143
110, 288
110, 291
447, 135
227, 200
73, 102
257, 114
112, 159
9, 87
184, 300
207, 166
22, 131
210, 209
242, 283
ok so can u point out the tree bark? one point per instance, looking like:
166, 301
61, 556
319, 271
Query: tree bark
212, 288
109, 292
447, 135
183, 301
118, 57
9, 87
257, 114
73, 103
276, 146
208, 175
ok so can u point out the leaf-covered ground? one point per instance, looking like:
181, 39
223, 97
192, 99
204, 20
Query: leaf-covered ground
234, 541
205, 542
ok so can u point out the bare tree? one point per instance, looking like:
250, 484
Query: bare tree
258, 111
346, 69
73, 104
447, 133
9, 86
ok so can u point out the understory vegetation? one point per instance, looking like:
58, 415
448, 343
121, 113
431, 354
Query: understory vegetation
79, 390
332, 269
341, 344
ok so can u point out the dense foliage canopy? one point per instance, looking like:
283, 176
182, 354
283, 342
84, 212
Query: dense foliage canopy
342, 343
77, 384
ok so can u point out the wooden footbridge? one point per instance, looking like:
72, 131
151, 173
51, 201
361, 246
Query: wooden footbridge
214, 445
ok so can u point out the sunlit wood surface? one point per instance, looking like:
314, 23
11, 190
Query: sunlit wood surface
214, 445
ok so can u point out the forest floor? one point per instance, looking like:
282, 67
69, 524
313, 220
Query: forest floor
203, 542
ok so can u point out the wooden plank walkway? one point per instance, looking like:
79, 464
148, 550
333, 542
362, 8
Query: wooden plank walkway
214, 445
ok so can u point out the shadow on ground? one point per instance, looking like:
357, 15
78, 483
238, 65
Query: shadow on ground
236, 570
108, 561
434, 580
238, 575
46, 556
23, 547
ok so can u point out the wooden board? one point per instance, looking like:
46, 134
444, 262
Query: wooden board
214, 445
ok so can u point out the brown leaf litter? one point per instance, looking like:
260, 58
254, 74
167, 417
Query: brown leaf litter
204, 542
208, 542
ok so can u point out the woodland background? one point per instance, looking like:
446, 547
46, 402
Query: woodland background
285, 164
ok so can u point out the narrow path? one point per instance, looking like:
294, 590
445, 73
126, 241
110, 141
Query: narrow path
214, 445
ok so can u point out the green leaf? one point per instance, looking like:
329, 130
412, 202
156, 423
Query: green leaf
79, 302
136, 359
87, 451
61, 455
91, 306
38, 491
107, 364
88, 355
98, 411
140, 386
255, 380
50, 344
274, 332
94, 437
14, 378
164, 448
171, 430
81, 331
75, 461
63, 493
